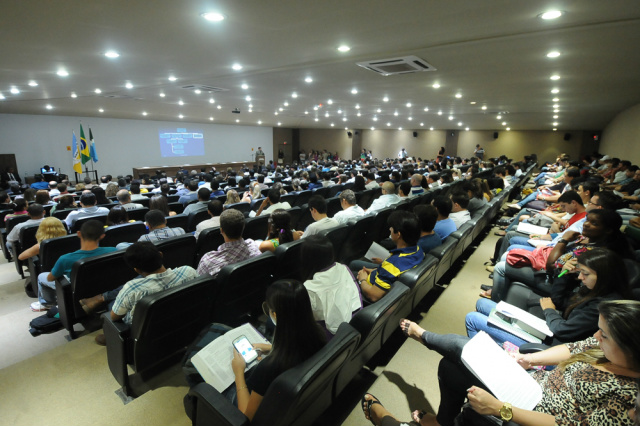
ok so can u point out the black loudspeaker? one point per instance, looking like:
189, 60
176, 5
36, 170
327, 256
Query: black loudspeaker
567, 136
415, 134
495, 135
349, 134
357, 133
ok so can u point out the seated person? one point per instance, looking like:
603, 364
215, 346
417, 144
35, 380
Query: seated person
19, 208
90, 235
427, 216
204, 195
50, 227
233, 250
333, 290
39, 183
124, 198
36, 214
350, 208
404, 189
272, 203
146, 260
135, 191
5, 201
459, 213
159, 202
88, 203
65, 202
445, 225
117, 216
476, 197
214, 207
318, 207
158, 229
280, 231
388, 198
595, 381
416, 185
377, 278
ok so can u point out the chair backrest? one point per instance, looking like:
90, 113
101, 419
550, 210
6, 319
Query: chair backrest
323, 192
289, 198
288, 260
240, 289
62, 214
358, 239
335, 189
3, 214
256, 228
13, 221
27, 236
178, 251
337, 236
138, 214
420, 279
177, 221
301, 394
333, 206
242, 207
176, 207
208, 240
365, 198
303, 198
52, 249
380, 229
167, 322
124, 233
77, 224
195, 218
296, 213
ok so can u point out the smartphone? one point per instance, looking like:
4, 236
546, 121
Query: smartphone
245, 348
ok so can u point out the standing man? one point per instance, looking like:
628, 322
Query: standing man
479, 152
403, 154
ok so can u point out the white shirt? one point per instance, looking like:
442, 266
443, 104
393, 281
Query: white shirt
214, 222
334, 296
319, 226
276, 206
383, 201
84, 212
349, 213
372, 185
460, 217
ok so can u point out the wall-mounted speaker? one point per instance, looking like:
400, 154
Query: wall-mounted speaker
349, 134
357, 133
415, 134
495, 135
567, 136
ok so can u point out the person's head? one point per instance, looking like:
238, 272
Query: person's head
297, 335
192, 185
91, 231
112, 190
602, 227
280, 226
347, 198
87, 180
215, 208
459, 200
117, 215
604, 200
204, 194
80, 187
317, 205
143, 257
388, 188
135, 188
404, 189
571, 173
618, 333
232, 197
586, 190
500, 172
371, 177
88, 199
570, 202
274, 195
232, 224
66, 202
473, 188
155, 219
316, 254
123, 196
443, 204
35, 211
358, 184
158, 202
427, 216
42, 197
4, 198
50, 227
101, 198
29, 194
416, 180
404, 227
19, 205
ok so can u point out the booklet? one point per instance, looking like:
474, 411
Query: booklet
519, 323
376, 250
527, 228
504, 377
213, 362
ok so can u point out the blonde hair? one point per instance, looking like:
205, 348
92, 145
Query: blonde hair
50, 227
80, 187
112, 190
232, 197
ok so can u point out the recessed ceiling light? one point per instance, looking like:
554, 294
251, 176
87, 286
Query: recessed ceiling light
344, 48
315, 108
556, 110
294, 95
98, 91
436, 86
219, 106
466, 128
14, 90
162, 95
237, 121
459, 123
33, 83
484, 107
354, 91
421, 124
172, 78
326, 114
385, 99
332, 124
286, 103
144, 113
395, 113
553, 54
408, 104
399, 128
180, 103
430, 128
128, 85
551, 14
555, 116
451, 117
504, 123
275, 113
439, 112
62, 72
344, 118
280, 124
388, 124
555, 123
308, 80
556, 106
245, 86
210, 118
259, 122
248, 99
250, 110
213, 16
359, 114
197, 91
73, 95
49, 106
555, 130
410, 118
498, 117
316, 119
555, 77
458, 95
556, 99
236, 67
339, 111
375, 118
373, 128
306, 112
100, 110
379, 110
508, 129
357, 106
330, 102
426, 109
280, 109
112, 54
250, 105
472, 102
212, 101
555, 90
181, 116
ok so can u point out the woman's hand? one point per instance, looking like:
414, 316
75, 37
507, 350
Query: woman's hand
523, 360
264, 348
546, 303
483, 402
238, 364
570, 236
571, 265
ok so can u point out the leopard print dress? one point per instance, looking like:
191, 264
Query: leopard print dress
584, 395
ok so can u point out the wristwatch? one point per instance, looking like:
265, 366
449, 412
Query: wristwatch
506, 412
562, 240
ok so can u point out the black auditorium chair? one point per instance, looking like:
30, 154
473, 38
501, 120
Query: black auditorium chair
9, 225
255, 204
89, 277
482, 218
176, 207
295, 213
62, 214
358, 239
305, 218
239, 289
178, 251
370, 322
337, 236
163, 325
195, 218
172, 198
464, 235
177, 221
365, 198
303, 198
145, 201
256, 228
208, 240
404, 205
288, 260
50, 251
138, 214
289, 198
323, 192
26, 239
333, 206
77, 224
420, 279
334, 190
380, 229
444, 253
124, 233
241, 207
296, 397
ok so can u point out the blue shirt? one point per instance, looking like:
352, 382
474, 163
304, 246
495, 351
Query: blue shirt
445, 227
40, 185
429, 242
400, 261
65, 262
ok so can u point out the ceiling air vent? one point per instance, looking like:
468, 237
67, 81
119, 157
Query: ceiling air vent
407, 64
205, 88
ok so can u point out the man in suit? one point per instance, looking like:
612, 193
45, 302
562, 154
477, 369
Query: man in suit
11, 176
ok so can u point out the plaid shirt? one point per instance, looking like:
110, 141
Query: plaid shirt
227, 254
161, 234
138, 288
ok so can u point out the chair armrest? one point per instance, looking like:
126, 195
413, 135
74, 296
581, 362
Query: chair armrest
116, 334
65, 304
530, 348
214, 409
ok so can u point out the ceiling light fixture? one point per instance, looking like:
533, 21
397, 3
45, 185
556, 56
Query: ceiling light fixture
248, 98
280, 124
236, 67
100, 110
237, 120
33, 83
339, 111
426, 109
49, 106
430, 128
73, 95
555, 90
498, 117
213, 16
484, 107
458, 95
128, 85
308, 80
504, 123
556, 99
551, 14
385, 99
259, 122
210, 118
555, 123
508, 129
180, 103
286, 103
472, 102
181, 116
98, 91
436, 86
14, 90
408, 104
466, 128
378, 110
459, 123
332, 124
555, 116
344, 48
354, 91
111, 54
450, 117
555, 77
553, 54
212, 101
421, 124
245, 86
144, 113
330, 102
439, 112
162, 95
172, 78
219, 106
62, 72
294, 95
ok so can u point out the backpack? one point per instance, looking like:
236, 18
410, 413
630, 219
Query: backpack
47, 323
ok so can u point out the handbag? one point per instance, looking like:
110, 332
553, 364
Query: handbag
537, 259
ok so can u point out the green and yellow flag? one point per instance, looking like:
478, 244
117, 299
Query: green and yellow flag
84, 148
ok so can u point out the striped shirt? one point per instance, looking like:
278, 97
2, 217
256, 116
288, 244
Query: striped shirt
400, 261
138, 288
161, 234
227, 254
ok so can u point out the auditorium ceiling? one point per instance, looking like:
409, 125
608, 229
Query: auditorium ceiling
488, 62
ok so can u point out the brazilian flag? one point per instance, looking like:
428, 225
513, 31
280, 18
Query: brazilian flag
84, 148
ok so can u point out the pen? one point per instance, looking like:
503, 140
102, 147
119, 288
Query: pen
563, 272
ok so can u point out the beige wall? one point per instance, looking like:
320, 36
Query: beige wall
620, 137
387, 143
330, 139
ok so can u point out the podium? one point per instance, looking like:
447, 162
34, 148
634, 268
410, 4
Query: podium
260, 159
